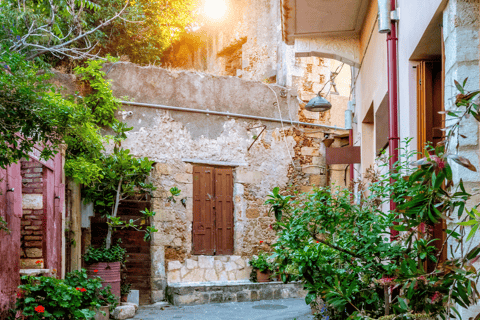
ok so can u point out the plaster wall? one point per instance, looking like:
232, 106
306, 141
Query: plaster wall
282, 156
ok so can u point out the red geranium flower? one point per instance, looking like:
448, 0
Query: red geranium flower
77, 288
38, 261
261, 241
83, 290
318, 241
95, 270
39, 309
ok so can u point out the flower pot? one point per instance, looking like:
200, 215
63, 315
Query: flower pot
109, 272
263, 276
124, 298
100, 316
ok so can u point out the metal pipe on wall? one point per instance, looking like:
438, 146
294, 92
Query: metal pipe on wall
393, 144
229, 114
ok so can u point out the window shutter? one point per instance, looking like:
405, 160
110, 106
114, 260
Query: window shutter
224, 211
203, 210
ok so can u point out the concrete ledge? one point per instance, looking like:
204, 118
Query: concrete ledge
184, 294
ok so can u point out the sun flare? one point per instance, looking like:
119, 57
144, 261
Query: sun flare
215, 9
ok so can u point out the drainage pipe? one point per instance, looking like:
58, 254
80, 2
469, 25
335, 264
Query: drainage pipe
393, 143
229, 114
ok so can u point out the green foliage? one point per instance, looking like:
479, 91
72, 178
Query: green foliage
158, 24
261, 262
125, 289
76, 297
138, 29
343, 252
30, 107
100, 100
113, 254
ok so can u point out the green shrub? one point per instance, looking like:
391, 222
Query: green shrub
76, 297
114, 254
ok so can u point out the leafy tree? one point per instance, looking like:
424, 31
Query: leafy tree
32, 112
83, 29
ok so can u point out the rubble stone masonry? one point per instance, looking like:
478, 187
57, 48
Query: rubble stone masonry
33, 214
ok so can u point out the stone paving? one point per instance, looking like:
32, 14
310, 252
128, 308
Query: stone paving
286, 309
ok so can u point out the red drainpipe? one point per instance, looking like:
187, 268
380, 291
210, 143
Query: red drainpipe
352, 168
393, 104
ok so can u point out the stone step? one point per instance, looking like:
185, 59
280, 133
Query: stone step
184, 294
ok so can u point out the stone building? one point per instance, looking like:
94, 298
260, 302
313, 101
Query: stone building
216, 138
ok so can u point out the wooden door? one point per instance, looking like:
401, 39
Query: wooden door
203, 210
213, 223
224, 211
430, 101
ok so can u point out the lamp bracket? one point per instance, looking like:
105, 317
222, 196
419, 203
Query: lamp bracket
395, 14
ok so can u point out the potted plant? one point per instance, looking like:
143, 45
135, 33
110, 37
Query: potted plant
124, 291
262, 266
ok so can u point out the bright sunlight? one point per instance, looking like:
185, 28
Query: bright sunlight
215, 9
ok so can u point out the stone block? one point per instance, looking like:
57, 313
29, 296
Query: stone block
216, 297
196, 275
311, 115
266, 294
230, 266
309, 151
254, 296
243, 296
244, 274
218, 266
311, 169
184, 178
191, 264
253, 213
162, 168
158, 261
316, 180
210, 275
124, 312
229, 297
232, 276
165, 215
223, 276
317, 161
32, 201
33, 252
174, 276
244, 176
206, 262
184, 271
188, 168
174, 265
240, 263
134, 297
221, 258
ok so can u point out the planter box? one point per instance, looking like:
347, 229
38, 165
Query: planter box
109, 272
264, 276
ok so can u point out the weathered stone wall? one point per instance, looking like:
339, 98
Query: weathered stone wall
461, 36
177, 141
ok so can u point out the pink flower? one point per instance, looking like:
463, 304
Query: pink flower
439, 161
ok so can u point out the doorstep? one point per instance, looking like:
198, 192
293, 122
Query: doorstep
194, 293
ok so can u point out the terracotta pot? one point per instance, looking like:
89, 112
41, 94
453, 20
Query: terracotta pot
100, 316
124, 298
109, 272
263, 276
